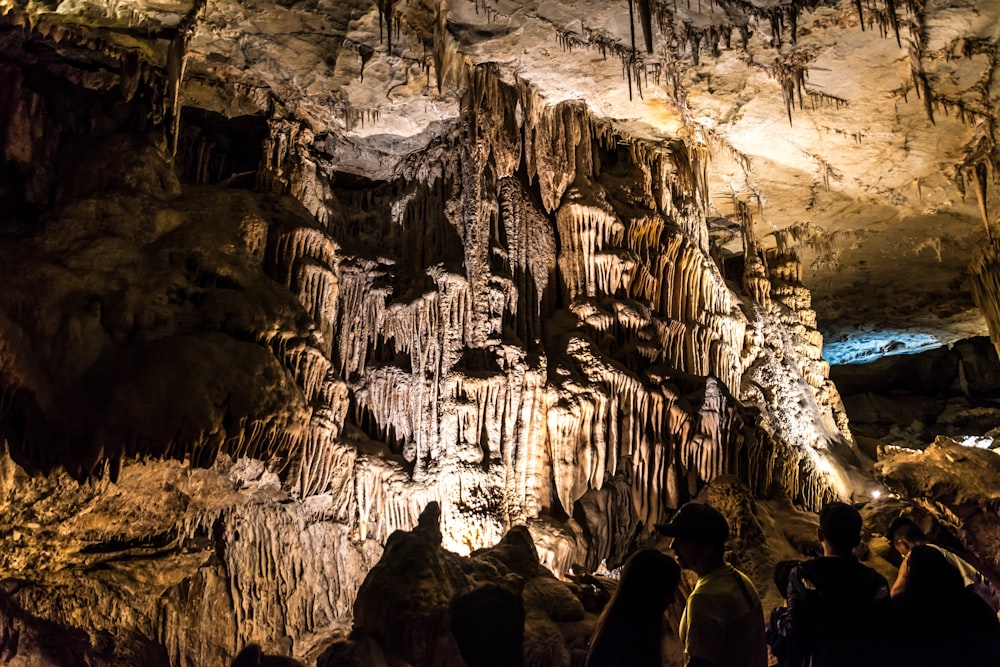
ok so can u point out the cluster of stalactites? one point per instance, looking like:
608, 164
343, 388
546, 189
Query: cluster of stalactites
984, 272
513, 124
475, 449
683, 310
980, 165
643, 278
288, 574
134, 69
811, 439
506, 442
668, 446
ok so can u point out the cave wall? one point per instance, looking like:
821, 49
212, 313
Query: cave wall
248, 391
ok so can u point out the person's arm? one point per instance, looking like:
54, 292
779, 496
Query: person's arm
787, 624
793, 625
899, 586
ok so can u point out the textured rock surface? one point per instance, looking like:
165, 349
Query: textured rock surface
910, 400
402, 607
960, 486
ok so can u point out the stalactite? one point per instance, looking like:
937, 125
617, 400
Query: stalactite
980, 165
755, 272
354, 118
177, 64
293, 248
645, 20
586, 227
325, 467
791, 76
819, 99
552, 137
531, 253
360, 309
385, 16
984, 271
449, 63
494, 111
315, 285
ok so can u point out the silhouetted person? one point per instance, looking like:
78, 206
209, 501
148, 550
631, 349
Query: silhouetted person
782, 573
723, 621
252, 656
944, 622
488, 625
904, 534
835, 604
630, 630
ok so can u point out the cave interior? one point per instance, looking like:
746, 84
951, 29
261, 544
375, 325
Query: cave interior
316, 313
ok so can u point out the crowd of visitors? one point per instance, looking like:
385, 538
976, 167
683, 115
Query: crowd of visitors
838, 612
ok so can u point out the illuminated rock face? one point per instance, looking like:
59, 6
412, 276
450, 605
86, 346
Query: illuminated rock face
506, 304
960, 484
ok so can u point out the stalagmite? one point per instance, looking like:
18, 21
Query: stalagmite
755, 273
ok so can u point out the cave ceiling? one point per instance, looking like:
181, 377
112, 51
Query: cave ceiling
852, 130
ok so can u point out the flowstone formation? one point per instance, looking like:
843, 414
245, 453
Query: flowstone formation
241, 348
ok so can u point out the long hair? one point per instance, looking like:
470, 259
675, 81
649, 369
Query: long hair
630, 630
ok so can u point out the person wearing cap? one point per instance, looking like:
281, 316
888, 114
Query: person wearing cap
836, 605
723, 621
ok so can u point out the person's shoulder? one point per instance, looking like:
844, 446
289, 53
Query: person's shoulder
815, 568
878, 583
835, 575
717, 585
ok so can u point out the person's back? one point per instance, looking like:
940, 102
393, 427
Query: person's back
253, 656
782, 573
947, 623
904, 534
835, 603
834, 606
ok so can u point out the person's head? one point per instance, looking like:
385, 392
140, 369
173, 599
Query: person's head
903, 534
649, 581
929, 575
839, 529
488, 625
253, 656
782, 573
700, 533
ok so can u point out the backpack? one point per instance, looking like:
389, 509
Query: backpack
835, 606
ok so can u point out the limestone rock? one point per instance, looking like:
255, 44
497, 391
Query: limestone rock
960, 484
402, 606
